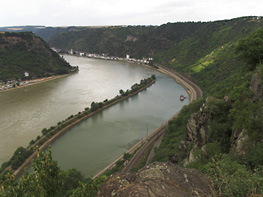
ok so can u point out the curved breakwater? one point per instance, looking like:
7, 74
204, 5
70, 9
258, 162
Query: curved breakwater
94, 143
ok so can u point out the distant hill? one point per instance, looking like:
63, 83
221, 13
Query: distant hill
44, 32
222, 133
25, 52
179, 44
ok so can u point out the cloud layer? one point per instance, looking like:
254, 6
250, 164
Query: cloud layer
122, 12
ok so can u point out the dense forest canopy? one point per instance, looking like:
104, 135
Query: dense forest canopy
25, 52
224, 58
178, 44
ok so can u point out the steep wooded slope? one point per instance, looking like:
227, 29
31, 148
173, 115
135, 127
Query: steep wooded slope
179, 44
25, 52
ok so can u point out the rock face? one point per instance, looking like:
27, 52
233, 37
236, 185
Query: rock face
256, 86
158, 179
196, 134
239, 142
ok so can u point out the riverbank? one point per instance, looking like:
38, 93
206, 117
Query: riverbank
23, 84
63, 126
194, 93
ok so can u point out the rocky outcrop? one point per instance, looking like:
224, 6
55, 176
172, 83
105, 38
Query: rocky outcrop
239, 142
256, 86
197, 125
196, 136
158, 179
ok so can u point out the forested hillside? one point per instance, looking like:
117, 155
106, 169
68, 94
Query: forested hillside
44, 32
179, 44
25, 52
220, 134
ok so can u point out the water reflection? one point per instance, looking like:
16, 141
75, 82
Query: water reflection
99, 140
26, 111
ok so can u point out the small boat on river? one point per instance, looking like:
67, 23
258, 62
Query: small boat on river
182, 97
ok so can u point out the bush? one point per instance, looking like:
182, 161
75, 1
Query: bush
232, 179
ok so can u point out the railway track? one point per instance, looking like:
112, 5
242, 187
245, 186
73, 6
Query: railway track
194, 93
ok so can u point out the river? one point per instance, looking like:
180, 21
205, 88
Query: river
99, 140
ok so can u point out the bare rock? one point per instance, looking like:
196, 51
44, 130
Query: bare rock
239, 142
158, 179
192, 127
256, 86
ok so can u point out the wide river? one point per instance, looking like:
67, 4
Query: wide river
99, 140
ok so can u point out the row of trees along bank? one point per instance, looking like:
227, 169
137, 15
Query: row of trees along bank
49, 135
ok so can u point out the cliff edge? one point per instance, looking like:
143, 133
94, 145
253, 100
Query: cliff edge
158, 179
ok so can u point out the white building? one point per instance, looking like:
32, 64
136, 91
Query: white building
26, 74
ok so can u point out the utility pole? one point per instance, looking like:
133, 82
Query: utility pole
147, 133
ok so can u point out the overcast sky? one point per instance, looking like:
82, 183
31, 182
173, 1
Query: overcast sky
122, 12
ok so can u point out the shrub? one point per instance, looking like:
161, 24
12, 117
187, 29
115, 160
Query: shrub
233, 179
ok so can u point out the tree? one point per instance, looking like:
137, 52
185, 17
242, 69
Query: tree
44, 181
121, 92
251, 48
49, 180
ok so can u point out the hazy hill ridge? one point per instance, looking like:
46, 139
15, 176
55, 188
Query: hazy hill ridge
182, 43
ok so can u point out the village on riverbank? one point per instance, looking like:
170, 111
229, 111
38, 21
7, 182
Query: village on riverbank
105, 56
13, 84
25, 155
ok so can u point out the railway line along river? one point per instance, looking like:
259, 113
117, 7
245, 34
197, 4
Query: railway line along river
99, 140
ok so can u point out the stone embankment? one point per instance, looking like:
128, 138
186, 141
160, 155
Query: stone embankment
84, 115
194, 93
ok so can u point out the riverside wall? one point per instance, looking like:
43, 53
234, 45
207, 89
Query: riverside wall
188, 85
192, 90
63, 130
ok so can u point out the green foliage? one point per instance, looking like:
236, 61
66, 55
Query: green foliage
44, 181
44, 131
175, 133
122, 92
28, 53
95, 105
70, 181
49, 180
232, 109
116, 41
126, 156
185, 43
247, 115
18, 158
232, 179
206, 51
219, 126
254, 157
89, 190
251, 48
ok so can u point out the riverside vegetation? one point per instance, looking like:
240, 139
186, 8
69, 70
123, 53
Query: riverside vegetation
21, 154
224, 58
221, 134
